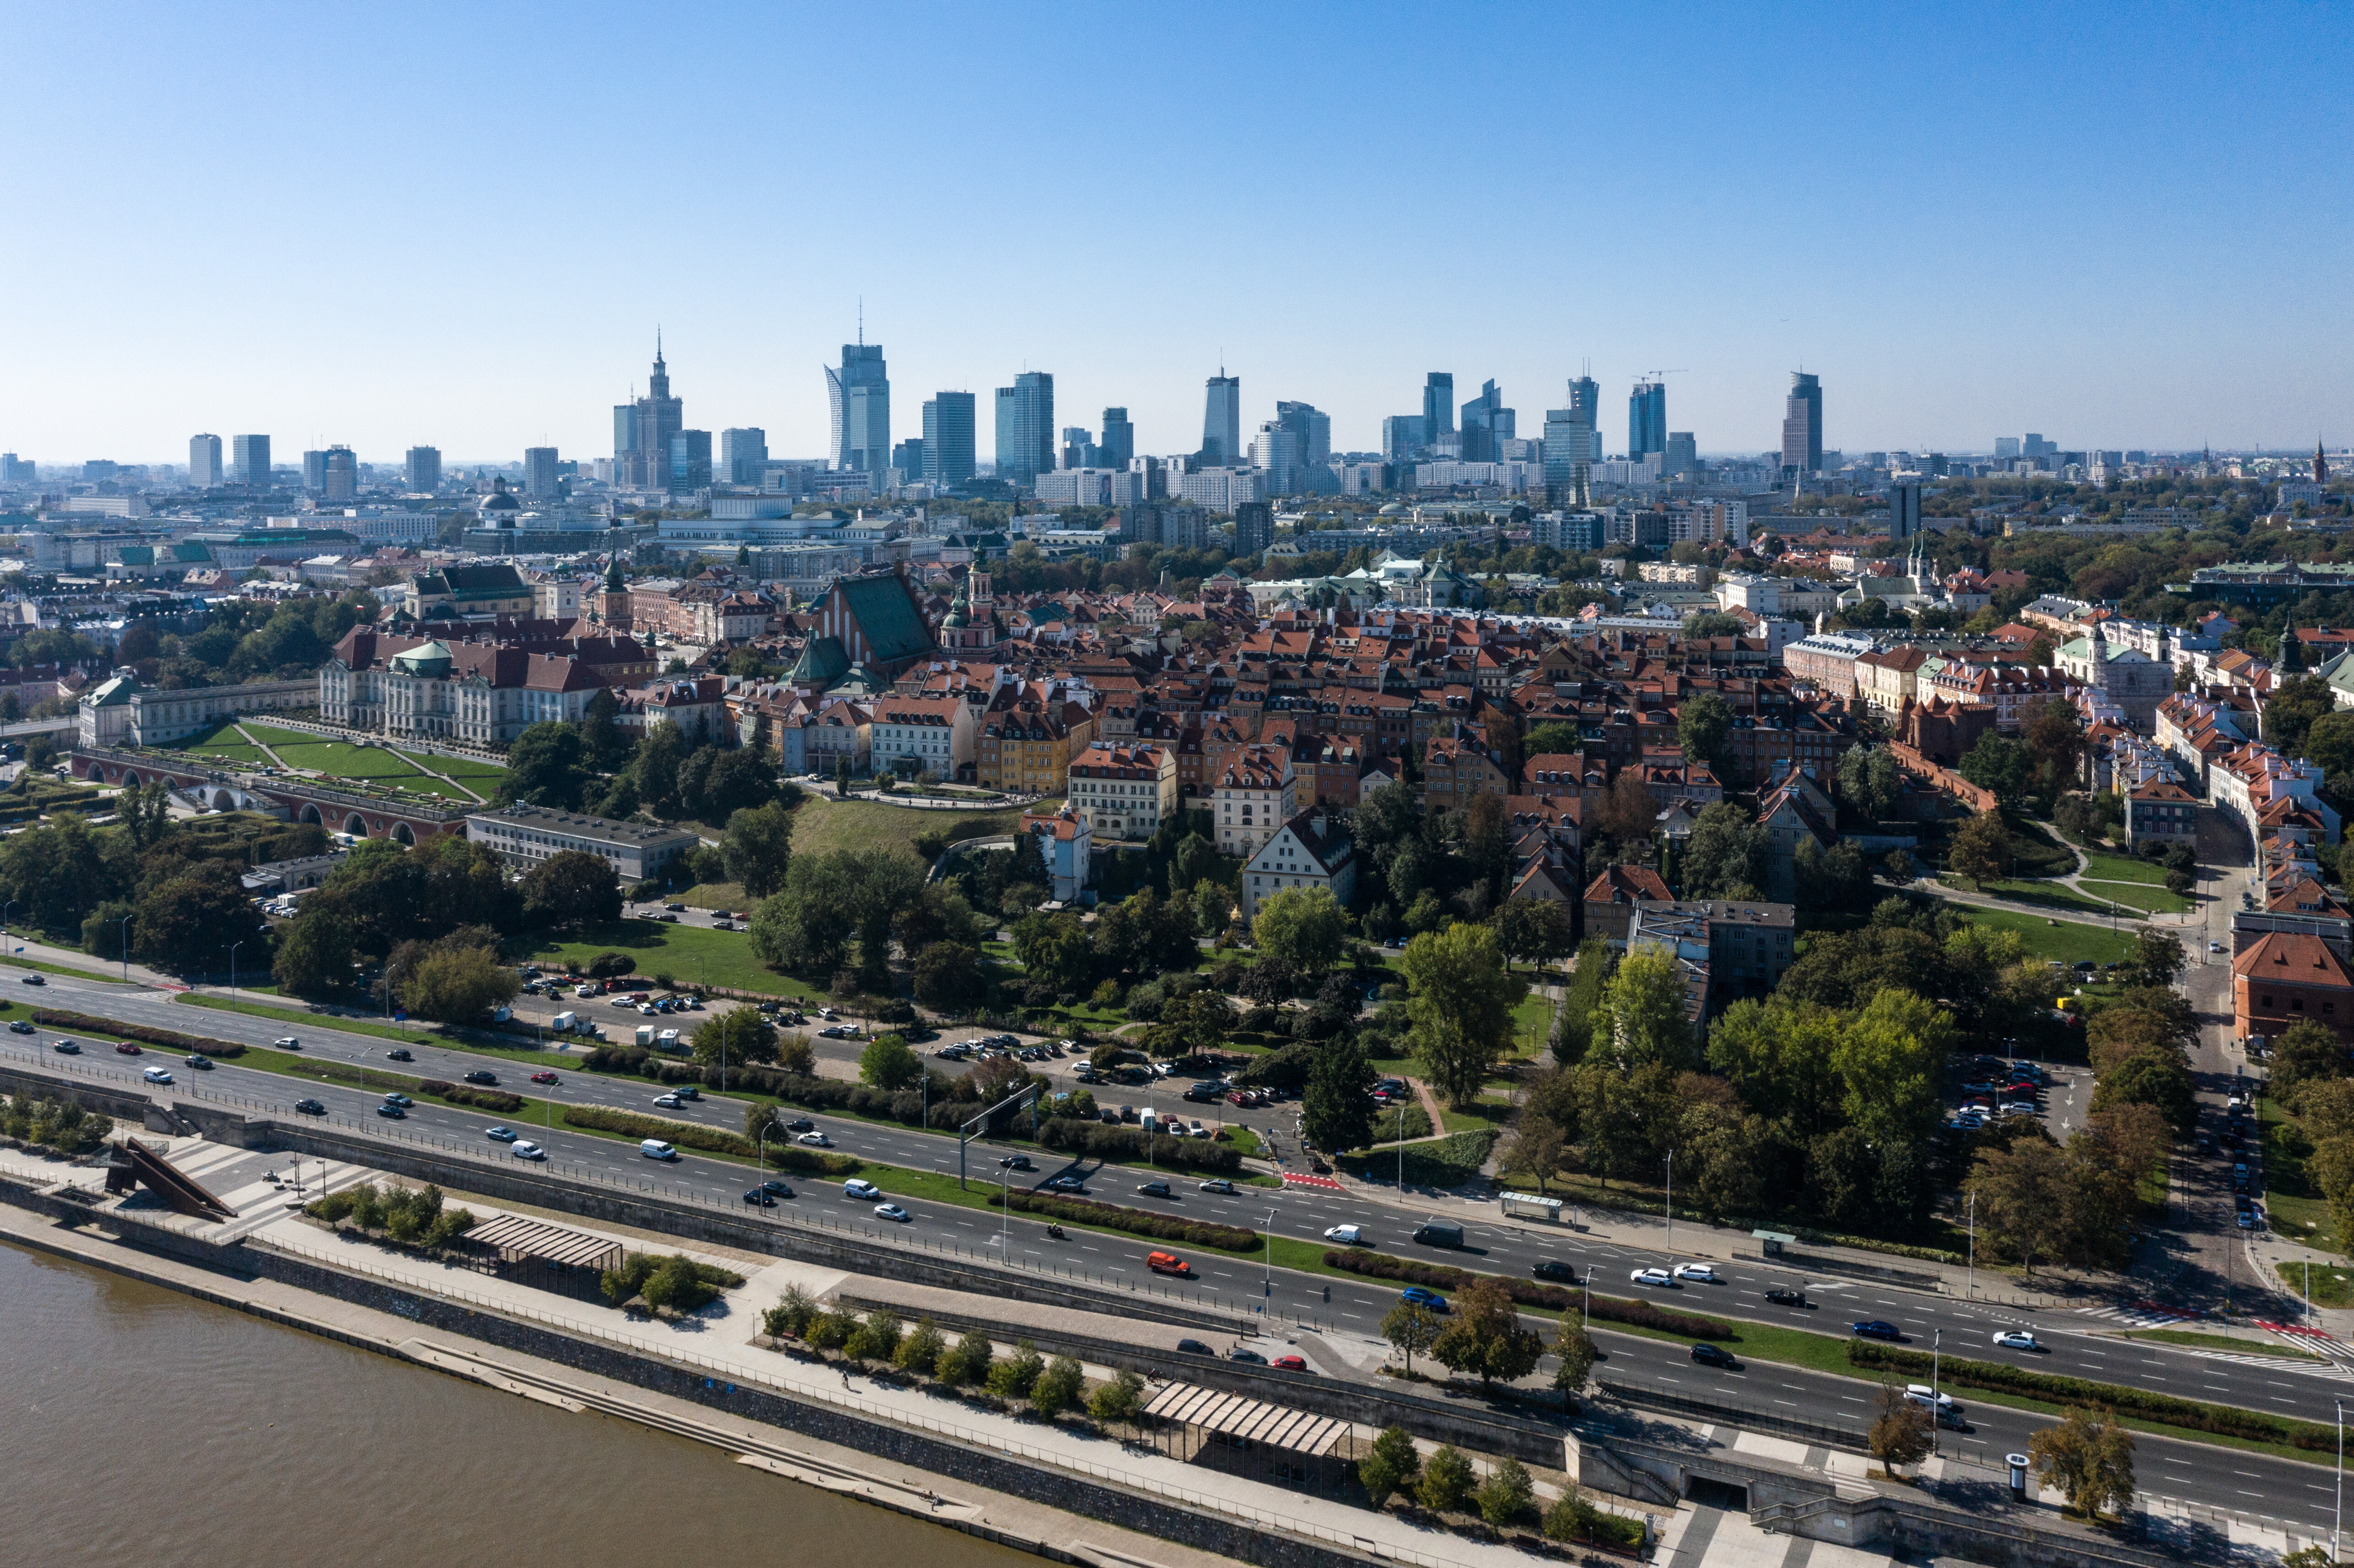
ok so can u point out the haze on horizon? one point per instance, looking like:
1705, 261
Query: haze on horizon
461, 225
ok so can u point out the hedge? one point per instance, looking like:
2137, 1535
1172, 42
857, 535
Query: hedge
2165, 1409
1104, 1141
710, 1139
497, 1100
144, 1034
1135, 1222
1531, 1293
1450, 1161
903, 1105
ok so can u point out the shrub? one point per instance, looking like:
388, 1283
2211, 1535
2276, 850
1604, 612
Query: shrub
1104, 1141
712, 1140
146, 1034
1530, 1293
1506, 1494
1390, 1466
920, 1352
1058, 1387
967, 1360
1121, 1400
677, 1282
790, 1316
876, 1339
1018, 1374
1134, 1222
1446, 1481
497, 1100
408, 1216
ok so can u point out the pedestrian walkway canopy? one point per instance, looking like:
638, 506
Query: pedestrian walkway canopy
1232, 1421
520, 1241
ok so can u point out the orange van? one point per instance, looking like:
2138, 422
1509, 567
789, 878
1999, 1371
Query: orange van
1167, 1263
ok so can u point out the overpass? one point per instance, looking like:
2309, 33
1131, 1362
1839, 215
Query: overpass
363, 813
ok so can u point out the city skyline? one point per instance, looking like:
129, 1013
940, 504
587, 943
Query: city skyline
1916, 212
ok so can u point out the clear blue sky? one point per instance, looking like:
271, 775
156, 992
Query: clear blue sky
2118, 225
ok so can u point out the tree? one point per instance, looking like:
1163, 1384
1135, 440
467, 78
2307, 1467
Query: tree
1410, 1327
2293, 709
1574, 1023
1057, 1388
2022, 1195
1868, 782
572, 888
1446, 1481
1506, 1494
602, 741
1643, 1010
146, 814
950, 974
1982, 848
1725, 856
546, 765
1891, 1060
1302, 925
1574, 1354
1336, 1107
314, 953
2159, 1078
738, 1035
1392, 1465
1534, 928
457, 986
1119, 1401
758, 846
1626, 809
1999, 766
1460, 1000
1534, 1149
655, 765
2155, 962
186, 922
2305, 1054
1483, 1335
890, 1062
2090, 1462
796, 1053
1703, 721
1902, 1435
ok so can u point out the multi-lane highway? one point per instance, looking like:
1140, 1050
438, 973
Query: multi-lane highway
1346, 1306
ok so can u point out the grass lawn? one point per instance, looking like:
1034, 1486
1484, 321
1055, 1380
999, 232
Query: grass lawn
690, 955
482, 776
2138, 895
714, 896
2222, 1343
519, 1050
2050, 895
2066, 940
2303, 1219
223, 741
2123, 868
821, 824
2331, 1287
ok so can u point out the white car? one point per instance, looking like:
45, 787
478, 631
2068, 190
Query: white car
1941, 1402
1699, 1271
1659, 1277
668, 1102
288, 1044
889, 1211
2017, 1340
1347, 1235
816, 1141
499, 1134
2214, 947
158, 1075
526, 1149
855, 1188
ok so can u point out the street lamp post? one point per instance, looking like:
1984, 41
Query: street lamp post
1671, 1205
2338, 1510
1266, 1280
124, 926
1936, 1346
233, 947
1970, 1277
1586, 1308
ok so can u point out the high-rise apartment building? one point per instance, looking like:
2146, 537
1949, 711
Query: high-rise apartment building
1904, 509
2005, 447
1312, 428
1222, 421
540, 481
690, 461
1275, 452
2033, 445
204, 462
1487, 422
15, 470
424, 466
948, 456
859, 396
1438, 406
314, 473
1119, 441
249, 460
744, 455
1647, 421
339, 473
1802, 425
1025, 428
1254, 528
1682, 453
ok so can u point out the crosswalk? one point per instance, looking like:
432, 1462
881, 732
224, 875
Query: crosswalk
2140, 1316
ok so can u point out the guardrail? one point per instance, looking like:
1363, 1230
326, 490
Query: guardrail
819, 1393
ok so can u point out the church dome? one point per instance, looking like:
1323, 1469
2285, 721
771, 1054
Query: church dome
501, 504
430, 659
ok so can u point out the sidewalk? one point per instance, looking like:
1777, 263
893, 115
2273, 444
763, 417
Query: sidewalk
20, 946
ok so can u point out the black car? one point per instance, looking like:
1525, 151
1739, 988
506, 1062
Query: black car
1017, 1162
1714, 1356
1874, 1329
1783, 1296
201, 1062
1193, 1348
310, 1107
1553, 1269
800, 1123
777, 1188
759, 1195
35, 980
479, 1076
1153, 1188
395, 1112
1240, 1355
397, 1055
20, 1027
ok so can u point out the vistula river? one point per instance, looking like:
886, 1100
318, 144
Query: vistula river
143, 1426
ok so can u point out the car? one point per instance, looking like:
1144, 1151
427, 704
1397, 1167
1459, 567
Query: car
20, 1027
310, 1107
396, 1098
759, 1197
525, 1149
800, 1123
1219, 1184
1417, 1296
499, 1134
66, 1048
545, 1078
1238, 1353
479, 1076
855, 1188
1067, 1184
199, 1061
1699, 1271
1554, 1269
2018, 1108
1153, 1188
2016, 1340
676, 909
1192, 1348
1875, 1328
668, 1102
813, 1140
1783, 1295
126, 1048
395, 1112
2246, 1219
1714, 1356
1347, 1235
2214, 947
157, 1074
287, 1043
1922, 1395
1657, 1277
397, 1055
35, 980
1016, 1162
889, 1211
775, 1189
1290, 1363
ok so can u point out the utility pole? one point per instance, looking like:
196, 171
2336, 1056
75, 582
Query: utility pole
1937, 1347
1970, 1278
1671, 1205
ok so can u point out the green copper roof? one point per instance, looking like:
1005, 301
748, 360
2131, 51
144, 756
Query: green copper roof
888, 614
823, 662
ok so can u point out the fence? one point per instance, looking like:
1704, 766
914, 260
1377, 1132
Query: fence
1650, 1396
817, 1392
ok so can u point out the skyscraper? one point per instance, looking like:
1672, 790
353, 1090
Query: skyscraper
948, 438
424, 469
1437, 405
1568, 453
1802, 425
1682, 454
339, 474
859, 394
1647, 421
1905, 509
743, 454
1079, 449
539, 478
1312, 428
1025, 428
1486, 421
1402, 436
1275, 452
647, 426
690, 461
249, 460
1222, 420
314, 473
1118, 439
204, 462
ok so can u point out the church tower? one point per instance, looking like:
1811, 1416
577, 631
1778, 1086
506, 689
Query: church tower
613, 604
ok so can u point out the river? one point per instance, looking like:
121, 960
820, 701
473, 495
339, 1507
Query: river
146, 1426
